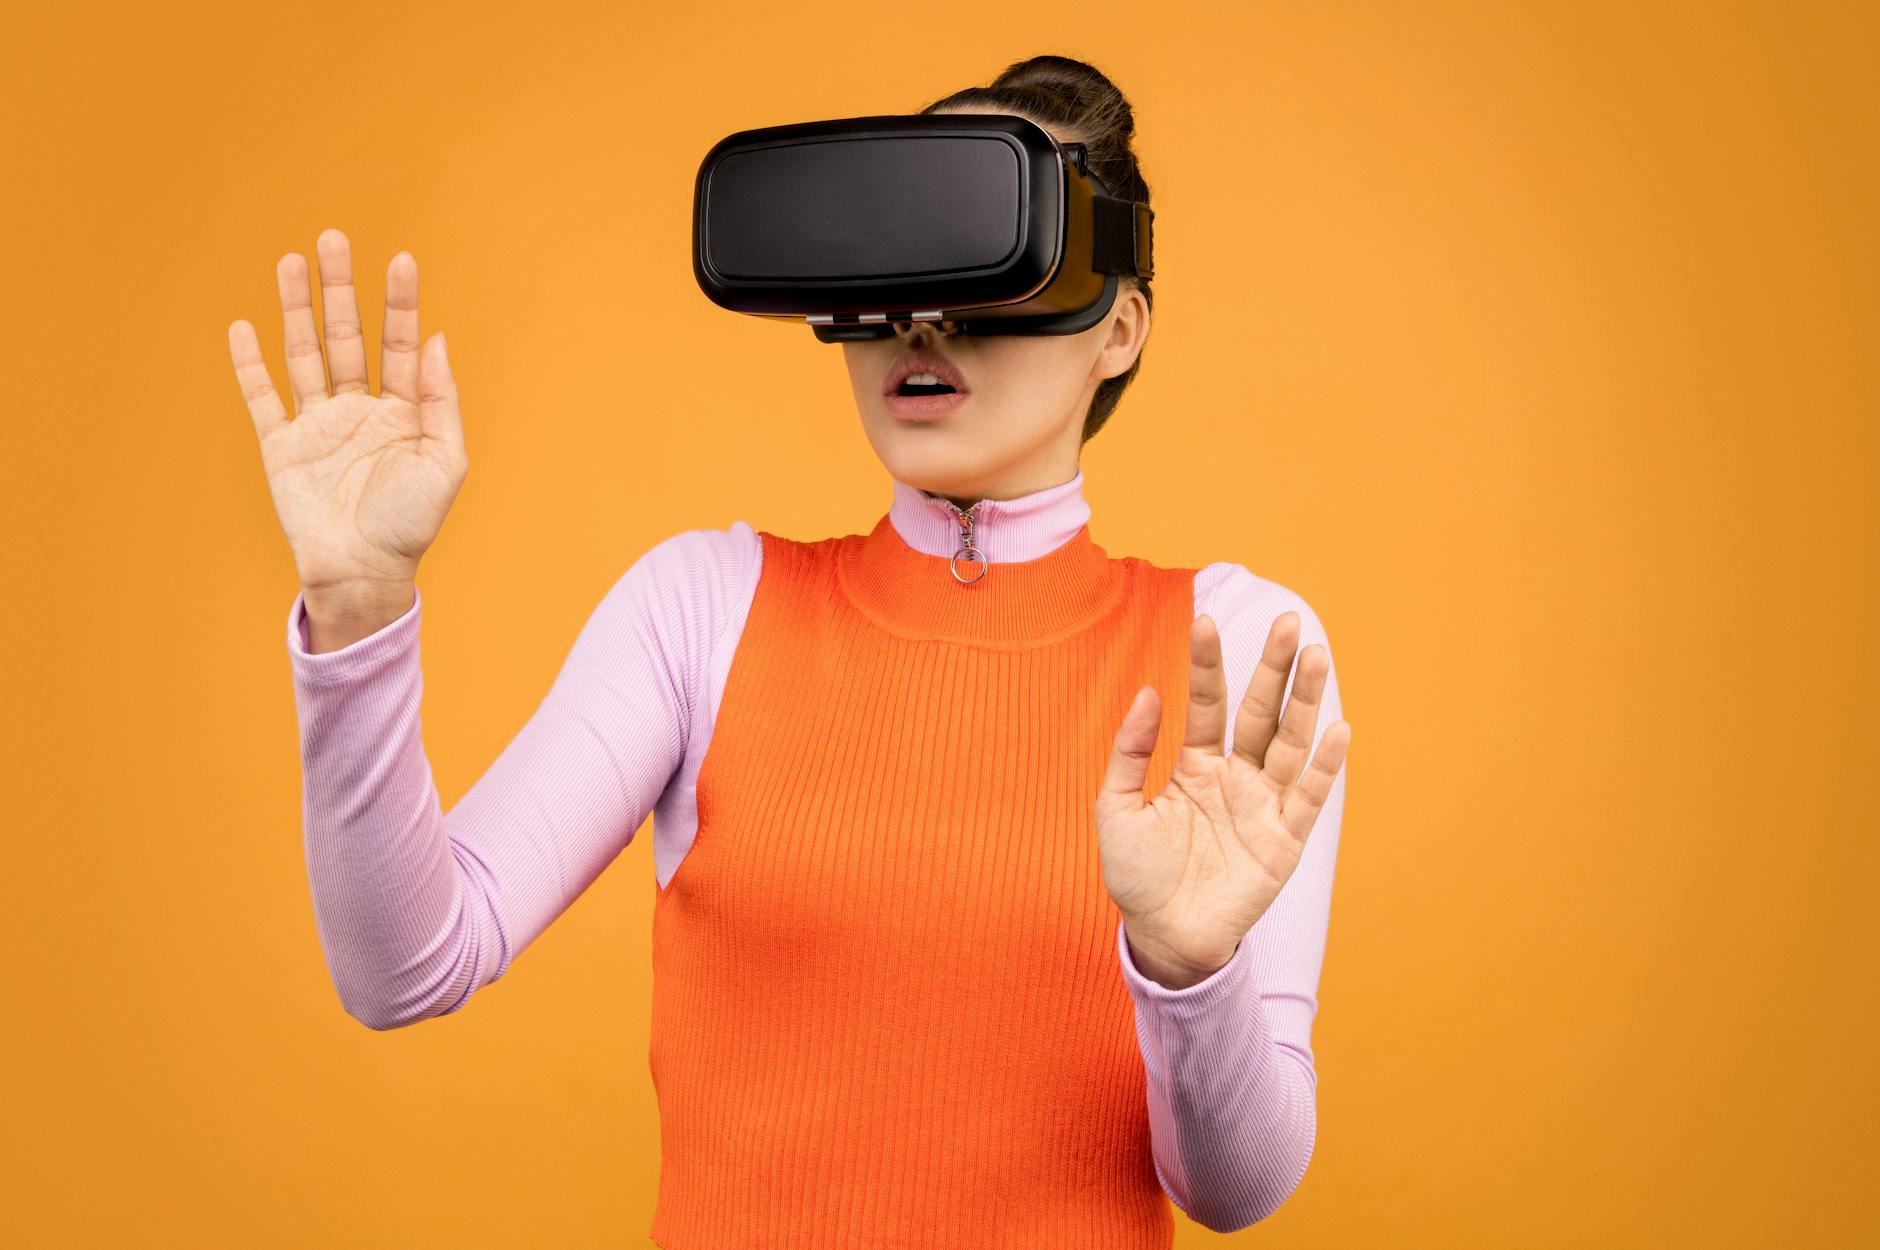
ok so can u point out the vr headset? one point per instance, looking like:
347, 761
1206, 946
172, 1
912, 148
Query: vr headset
851, 225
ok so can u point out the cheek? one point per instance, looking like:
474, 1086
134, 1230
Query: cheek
1034, 368
866, 364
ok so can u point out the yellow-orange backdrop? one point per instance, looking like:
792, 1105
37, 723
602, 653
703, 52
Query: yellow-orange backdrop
1532, 343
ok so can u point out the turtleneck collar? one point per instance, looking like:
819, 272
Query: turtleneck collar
1021, 528
1042, 576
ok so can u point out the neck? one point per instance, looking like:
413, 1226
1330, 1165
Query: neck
1017, 572
1023, 527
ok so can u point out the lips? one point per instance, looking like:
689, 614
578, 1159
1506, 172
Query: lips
909, 363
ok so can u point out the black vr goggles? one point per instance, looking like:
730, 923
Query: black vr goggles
982, 219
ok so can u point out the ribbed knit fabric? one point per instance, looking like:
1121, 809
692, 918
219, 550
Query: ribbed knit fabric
885, 1005
420, 907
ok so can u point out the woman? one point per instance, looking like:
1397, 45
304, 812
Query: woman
926, 967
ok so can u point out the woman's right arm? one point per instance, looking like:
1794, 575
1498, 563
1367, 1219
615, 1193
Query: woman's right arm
417, 909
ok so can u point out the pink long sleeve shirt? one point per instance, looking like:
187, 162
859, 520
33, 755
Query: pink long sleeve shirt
419, 908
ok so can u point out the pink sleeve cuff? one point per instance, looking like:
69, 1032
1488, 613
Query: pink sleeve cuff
1224, 982
357, 658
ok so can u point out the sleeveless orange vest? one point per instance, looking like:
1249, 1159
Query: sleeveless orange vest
887, 1010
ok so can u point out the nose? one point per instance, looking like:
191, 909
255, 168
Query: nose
942, 328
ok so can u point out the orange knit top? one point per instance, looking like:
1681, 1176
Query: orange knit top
886, 1010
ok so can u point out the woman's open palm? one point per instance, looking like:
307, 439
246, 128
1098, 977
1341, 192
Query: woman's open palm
361, 481
1192, 869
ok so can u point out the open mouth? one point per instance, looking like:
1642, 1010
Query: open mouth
923, 384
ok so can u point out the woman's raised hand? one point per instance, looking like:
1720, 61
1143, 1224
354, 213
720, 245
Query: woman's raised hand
1192, 869
361, 481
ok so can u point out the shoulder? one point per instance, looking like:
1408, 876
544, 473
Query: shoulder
686, 587
698, 565
1239, 599
667, 612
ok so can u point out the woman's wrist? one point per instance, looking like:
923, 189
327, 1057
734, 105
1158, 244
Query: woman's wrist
338, 616
1158, 964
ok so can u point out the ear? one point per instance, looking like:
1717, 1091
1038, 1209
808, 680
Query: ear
1127, 330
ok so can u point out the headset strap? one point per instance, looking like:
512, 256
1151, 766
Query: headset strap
1123, 242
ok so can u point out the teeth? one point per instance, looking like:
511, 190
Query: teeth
923, 379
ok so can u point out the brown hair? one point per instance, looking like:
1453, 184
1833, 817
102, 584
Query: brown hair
1084, 106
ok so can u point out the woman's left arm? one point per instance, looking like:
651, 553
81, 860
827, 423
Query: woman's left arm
1223, 1021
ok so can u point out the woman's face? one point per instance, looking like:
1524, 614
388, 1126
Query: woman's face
1018, 426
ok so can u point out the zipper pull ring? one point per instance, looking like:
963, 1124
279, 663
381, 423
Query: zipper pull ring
966, 546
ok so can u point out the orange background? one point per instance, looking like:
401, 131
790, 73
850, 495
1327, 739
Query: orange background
1533, 344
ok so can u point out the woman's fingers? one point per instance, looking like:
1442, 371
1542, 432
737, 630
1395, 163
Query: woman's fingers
306, 369
398, 368
345, 342
1206, 729
1258, 715
1286, 753
1302, 806
1128, 769
251, 371
438, 415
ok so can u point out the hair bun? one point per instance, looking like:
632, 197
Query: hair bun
1083, 88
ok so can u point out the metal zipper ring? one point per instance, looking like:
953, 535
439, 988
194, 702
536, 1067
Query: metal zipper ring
979, 558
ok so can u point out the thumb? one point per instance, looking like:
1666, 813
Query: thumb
1129, 754
438, 414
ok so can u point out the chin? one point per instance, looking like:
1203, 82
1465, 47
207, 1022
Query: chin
926, 458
